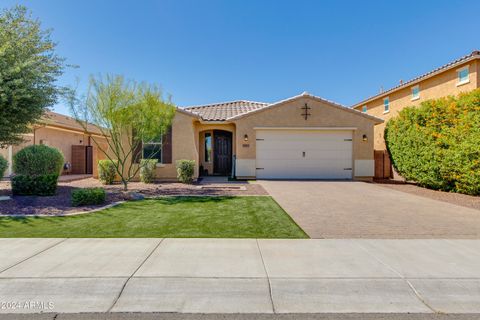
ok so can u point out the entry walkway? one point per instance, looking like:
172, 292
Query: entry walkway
239, 276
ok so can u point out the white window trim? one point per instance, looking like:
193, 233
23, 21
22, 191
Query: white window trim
386, 111
459, 83
418, 96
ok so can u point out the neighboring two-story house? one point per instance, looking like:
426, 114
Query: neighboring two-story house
458, 76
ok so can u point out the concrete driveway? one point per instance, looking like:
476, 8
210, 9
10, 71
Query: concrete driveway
331, 209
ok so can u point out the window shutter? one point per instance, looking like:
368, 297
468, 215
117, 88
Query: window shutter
167, 146
137, 152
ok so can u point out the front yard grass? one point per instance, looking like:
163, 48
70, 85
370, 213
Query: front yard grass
173, 217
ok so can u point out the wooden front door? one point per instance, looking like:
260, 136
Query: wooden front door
222, 152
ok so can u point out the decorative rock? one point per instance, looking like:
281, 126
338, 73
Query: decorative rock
4, 198
133, 196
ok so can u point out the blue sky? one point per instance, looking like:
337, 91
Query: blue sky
212, 51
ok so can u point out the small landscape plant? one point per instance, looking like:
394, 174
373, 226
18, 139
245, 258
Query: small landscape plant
3, 166
185, 170
148, 170
88, 196
36, 169
437, 144
106, 171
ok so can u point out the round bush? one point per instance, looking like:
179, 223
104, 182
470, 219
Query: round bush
148, 169
3, 166
437, 144
38, 160
107, 171
185, 170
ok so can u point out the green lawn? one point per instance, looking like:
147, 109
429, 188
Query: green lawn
175, 217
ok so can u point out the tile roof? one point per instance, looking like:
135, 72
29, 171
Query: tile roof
473, 55
228, 111
61, 120
225, 110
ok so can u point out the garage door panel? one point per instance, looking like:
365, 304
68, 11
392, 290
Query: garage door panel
289, 154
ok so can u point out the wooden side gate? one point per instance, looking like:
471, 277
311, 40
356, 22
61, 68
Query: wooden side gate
82, 159
383, 165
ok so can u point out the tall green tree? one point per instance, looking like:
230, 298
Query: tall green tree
127, 114
29, 68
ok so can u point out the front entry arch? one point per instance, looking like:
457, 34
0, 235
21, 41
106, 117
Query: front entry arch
222, 152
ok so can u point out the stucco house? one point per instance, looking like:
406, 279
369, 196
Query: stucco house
67, 135
302, 137
460, 75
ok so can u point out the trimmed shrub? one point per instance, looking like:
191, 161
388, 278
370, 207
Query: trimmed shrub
148, 170
106, 171
43, 185
437, 144
3, 166
36, 169
88, 196
38, 160
185, 170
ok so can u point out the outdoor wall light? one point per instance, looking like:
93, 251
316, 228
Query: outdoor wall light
245, 137
365, 138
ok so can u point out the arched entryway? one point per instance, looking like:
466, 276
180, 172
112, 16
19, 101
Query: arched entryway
222, 152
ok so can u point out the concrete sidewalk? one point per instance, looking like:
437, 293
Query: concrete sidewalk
239, 276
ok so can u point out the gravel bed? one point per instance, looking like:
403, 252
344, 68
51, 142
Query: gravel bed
450, 197
60, 203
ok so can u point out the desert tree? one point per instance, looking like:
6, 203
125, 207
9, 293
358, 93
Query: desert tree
29, 68
127, 114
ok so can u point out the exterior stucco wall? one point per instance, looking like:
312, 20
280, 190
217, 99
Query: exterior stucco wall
60, 139
184, 146
289, 114
441, 85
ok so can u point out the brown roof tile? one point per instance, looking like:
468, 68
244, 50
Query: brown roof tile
61, 120
225, 110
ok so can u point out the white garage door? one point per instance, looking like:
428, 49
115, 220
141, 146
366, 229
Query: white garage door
304, 154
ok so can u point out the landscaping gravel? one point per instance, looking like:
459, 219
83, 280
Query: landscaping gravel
450, 197
61, 203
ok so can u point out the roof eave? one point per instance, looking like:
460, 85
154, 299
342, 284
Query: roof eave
331, 103
415, 81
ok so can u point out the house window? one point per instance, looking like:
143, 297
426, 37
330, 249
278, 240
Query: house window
153, 149
463, 76
415, 92
386, 105
364, 109
208, 147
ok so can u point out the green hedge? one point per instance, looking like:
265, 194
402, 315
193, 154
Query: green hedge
437, 144
106, 171
36, 169
88, 196
185, 170
38, 160
44, 185
148, 168
3, 166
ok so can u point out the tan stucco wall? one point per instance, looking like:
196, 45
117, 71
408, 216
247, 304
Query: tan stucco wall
289, 115
438, 86
184, 145
60, 139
